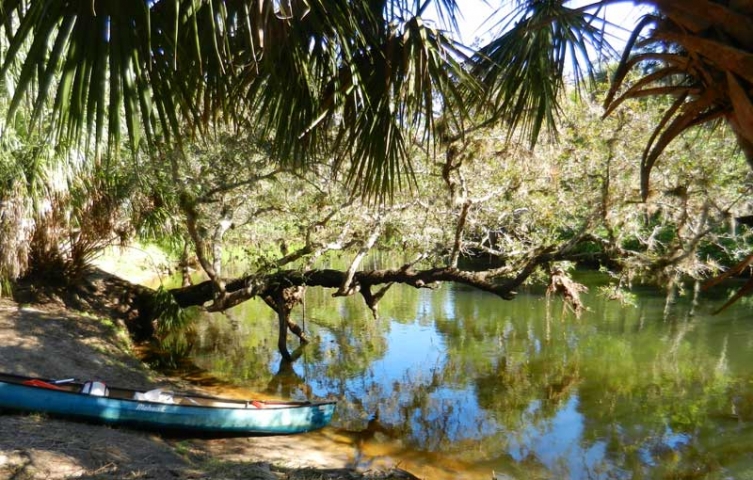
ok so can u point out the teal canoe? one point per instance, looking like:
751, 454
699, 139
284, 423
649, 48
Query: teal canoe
160, 410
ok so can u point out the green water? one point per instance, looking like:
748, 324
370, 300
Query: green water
471, 384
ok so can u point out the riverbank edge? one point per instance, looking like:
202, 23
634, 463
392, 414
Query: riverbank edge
51, 340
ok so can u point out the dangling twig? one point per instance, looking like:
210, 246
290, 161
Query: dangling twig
570, 290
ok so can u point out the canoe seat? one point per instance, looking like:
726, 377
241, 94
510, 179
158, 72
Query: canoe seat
156, 395
98, 389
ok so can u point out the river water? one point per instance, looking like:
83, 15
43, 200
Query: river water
455, 383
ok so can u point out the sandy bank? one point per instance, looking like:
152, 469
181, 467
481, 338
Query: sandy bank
53, 342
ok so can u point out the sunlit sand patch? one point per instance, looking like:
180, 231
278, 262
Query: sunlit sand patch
39, 464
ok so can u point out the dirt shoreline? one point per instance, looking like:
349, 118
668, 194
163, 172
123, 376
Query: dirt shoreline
54, 342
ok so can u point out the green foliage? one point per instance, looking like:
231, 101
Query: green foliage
240, 178
579, 196
174, 328
522, 200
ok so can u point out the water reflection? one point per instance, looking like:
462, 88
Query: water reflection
470, 383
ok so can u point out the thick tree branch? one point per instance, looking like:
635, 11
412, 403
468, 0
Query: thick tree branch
348, 287
245, 288
501, 282
197, 235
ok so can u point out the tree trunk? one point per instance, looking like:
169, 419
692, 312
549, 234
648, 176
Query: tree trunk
282, 301
282, 334
457, 245
184, 265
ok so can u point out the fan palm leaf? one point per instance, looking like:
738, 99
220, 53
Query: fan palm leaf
372, 78
525, 68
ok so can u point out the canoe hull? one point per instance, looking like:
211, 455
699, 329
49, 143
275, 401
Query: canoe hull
277, 420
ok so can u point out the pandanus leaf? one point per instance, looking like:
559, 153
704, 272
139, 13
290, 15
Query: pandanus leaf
716, 53
628, 61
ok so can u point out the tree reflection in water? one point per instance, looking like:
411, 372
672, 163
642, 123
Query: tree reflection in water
457, 376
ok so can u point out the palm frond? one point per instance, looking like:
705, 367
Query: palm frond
697, 16
742, 106
158, 71
629, 60
714, 53
691, 54
340, 72
99, 69
682, 116
524, 69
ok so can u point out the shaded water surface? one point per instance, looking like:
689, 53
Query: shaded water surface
456, 383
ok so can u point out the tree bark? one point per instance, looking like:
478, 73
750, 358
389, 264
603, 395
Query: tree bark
185, 272
258, 285
459, 229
